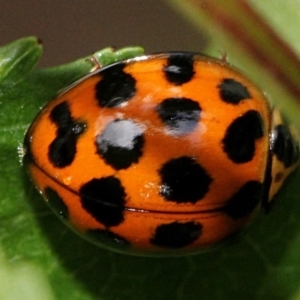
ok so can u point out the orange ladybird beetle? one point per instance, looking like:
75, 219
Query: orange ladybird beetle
160, 154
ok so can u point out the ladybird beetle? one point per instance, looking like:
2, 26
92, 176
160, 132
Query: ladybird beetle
160, 154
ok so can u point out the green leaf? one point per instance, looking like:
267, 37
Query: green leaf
42, 255
109, 55
18, 58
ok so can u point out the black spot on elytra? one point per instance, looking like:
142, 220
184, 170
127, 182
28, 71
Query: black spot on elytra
121, 143
104, 199
285, 147
232, 91
107, 238
115, 87
176, 235
56, 203
181, 115
245, 200
240, 136
183, 180
62, 150
179, 68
